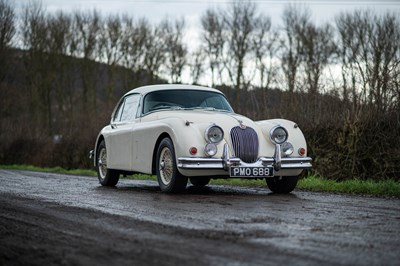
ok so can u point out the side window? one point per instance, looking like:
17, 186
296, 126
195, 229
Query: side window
130, 107
117, 114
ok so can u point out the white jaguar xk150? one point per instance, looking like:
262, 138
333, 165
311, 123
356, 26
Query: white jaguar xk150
181, 132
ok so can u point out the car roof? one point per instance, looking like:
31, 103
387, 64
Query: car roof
150, 88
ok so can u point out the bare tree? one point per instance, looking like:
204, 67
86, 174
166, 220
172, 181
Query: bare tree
87, 28
59, 30
197, 66
59, 64
265, 48
33, 27
317, 48
135, 36
175, 49
214, 41
34, 38
111, 39
110, 45
370, 47
384, 62
347, 50
7, 32
295, 20
239, 24
265, 44
240, 21
7, 23
154, 52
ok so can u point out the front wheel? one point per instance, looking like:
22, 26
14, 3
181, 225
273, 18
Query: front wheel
107, 177
168, 176
282, 184
199, 181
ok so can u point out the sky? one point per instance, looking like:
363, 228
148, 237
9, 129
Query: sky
191, 10
322, 11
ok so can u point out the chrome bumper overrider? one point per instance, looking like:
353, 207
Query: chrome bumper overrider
226, 161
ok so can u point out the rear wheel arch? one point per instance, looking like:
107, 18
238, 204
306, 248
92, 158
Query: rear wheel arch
100, 138
106, 176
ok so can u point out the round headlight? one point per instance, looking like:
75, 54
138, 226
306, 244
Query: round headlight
214, 134
210, 149
278, 135
287, 148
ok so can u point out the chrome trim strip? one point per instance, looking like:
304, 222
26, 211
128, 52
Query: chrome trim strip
226, 161
200, 163
215, 163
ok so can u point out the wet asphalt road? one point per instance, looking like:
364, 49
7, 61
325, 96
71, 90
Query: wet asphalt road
51, 219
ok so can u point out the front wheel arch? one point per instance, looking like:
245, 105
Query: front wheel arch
154, 157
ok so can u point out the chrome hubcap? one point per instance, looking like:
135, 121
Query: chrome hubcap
162, 165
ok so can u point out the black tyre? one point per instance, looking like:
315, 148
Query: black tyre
199, 181
282, 185
107, 177
168, 176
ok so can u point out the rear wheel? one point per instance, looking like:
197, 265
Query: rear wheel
199, 181
168, 176
107, 177
282, 184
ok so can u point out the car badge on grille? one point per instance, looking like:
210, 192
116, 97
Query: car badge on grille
241, 125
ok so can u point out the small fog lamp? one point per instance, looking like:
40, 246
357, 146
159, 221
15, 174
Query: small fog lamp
287, 148
210, 149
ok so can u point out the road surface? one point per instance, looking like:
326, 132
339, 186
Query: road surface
53, 219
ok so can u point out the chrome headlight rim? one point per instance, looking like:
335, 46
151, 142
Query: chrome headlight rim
207, 137
272, 136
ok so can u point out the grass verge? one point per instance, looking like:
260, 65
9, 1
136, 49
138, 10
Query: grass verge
57, 170
383, 188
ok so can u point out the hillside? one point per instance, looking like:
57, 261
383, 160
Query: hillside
52, 108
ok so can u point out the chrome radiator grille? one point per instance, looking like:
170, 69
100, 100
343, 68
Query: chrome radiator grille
245, 144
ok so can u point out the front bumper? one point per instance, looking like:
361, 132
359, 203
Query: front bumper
279, 163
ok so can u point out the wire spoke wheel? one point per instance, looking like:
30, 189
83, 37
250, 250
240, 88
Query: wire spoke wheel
107, 177
282, 185
168, 176
166, 166
102, 163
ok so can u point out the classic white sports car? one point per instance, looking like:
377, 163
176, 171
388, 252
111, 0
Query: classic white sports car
181, 132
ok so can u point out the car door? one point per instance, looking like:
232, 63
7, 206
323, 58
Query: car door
121, 135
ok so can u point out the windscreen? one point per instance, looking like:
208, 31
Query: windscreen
185, 99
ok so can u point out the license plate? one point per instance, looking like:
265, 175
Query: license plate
237, 171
